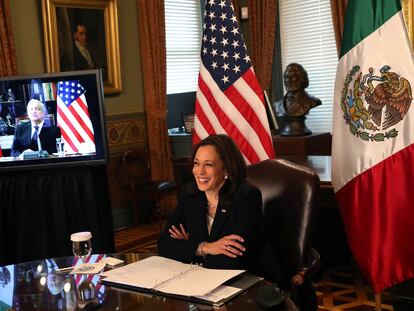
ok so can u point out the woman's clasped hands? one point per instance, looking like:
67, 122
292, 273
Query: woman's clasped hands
178, 233
229, 245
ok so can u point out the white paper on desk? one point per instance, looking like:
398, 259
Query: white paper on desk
89, 268
199, 281
170, 276
147, 273
220, 293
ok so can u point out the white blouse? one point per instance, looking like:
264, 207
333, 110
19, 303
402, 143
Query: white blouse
209, 222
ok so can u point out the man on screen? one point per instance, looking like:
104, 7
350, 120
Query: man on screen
36, 134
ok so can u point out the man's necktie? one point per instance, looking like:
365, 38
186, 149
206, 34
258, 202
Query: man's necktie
35, 134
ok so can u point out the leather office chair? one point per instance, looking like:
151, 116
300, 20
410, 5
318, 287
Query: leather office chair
136, 165
49, 119
183, 171
289, 194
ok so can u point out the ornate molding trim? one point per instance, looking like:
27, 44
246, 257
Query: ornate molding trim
126, 130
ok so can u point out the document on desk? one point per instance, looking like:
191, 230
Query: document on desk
171, 277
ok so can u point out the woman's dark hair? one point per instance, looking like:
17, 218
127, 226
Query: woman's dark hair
232, 158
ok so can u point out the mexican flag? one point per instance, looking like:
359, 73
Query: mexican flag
373, 135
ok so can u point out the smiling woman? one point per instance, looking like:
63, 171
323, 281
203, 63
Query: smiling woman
218, 219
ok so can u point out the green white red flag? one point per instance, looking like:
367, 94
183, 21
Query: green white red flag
373, 135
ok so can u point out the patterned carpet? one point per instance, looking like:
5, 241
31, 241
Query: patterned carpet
345, 289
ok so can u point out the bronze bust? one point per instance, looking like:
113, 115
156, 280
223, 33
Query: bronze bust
296, 103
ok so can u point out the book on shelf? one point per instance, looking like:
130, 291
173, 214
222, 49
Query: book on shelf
185, 281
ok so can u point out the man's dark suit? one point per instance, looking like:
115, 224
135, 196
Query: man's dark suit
242, 217
22, 139
79, 61
76, 61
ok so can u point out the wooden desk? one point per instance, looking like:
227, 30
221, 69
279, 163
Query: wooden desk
314, 144
31, 287
319, 163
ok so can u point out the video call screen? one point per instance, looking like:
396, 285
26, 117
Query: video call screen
73, 127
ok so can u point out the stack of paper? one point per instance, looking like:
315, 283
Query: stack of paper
173, 277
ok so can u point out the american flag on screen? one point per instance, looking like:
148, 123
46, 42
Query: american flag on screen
229, 98
73, 117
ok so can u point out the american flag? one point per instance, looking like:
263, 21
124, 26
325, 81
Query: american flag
229, 98
73, 118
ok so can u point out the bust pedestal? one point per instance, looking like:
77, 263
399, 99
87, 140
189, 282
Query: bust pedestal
313, 144
293, 126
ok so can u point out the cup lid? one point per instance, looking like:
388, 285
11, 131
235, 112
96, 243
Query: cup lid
80, 236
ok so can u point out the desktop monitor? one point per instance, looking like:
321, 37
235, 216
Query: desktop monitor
74, 110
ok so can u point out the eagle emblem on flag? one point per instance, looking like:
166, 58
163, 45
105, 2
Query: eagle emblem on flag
373, 104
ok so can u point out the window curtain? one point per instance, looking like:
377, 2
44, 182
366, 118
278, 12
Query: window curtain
153, 56
338, 9
8, 61
262, 15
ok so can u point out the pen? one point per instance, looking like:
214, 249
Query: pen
64, 270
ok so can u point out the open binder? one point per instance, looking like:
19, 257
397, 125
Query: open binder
159, 275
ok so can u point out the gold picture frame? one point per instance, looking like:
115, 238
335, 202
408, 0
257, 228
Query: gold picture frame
66, 22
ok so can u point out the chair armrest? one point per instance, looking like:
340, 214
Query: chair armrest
300, 277
157, 185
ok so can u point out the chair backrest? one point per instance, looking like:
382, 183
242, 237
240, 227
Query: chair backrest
137, 165
183, 171
49, 119
289, 194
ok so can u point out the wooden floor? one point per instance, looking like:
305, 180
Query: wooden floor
338, 289
344, 288
141, 239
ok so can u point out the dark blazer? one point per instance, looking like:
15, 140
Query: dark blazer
76, 61
242, 217
22, 139
79, 61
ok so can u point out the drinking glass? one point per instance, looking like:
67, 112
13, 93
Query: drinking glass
86, 290
81, 244
82, 247
60, 147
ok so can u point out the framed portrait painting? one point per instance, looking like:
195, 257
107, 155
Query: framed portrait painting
81, 35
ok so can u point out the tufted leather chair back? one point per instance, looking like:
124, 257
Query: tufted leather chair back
289, 193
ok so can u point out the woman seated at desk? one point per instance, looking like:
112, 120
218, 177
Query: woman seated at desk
218, 219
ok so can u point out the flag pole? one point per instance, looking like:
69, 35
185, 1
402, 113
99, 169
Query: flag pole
378, 302
271, 115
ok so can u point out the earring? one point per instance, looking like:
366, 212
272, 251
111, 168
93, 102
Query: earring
226, 177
